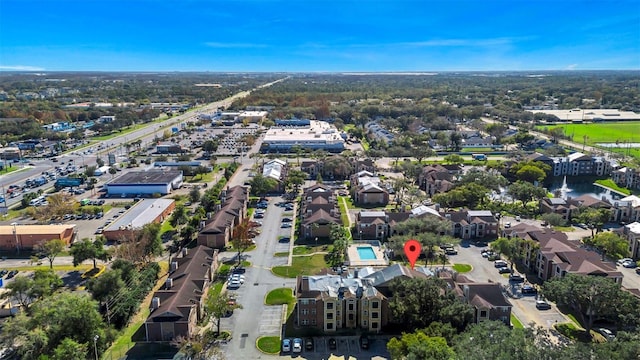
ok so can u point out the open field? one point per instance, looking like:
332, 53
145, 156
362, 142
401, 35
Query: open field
621, 132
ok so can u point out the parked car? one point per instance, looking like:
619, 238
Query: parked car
542, 305
233, 284
504, 270
608, 334
364, 342
500, 263
515, 277
528, 290
638, 271
451, 251
297, 345
287, 219
308, 344
286, 345
285, 225
285, 239
629, 264
333, 344
624, 260
507, 225
258, 215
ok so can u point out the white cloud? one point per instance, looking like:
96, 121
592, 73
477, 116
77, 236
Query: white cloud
572, 66
221, 45
20, 68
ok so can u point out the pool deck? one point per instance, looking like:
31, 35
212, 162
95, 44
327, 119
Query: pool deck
354, 257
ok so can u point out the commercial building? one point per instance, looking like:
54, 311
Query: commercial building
18, 237
318, 135
145, 183
178, 306
590, 115
145, 211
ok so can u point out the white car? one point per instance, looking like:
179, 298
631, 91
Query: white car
233, 284
622, 261
297, 345
629, 264
606, 333
237, 277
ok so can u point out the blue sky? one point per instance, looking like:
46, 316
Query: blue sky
319, 35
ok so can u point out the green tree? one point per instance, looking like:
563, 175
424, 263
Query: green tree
610, 244
45, 283
593, 297
594, 218
20, 290
497, 131
261, 185
417, 302
530, 171
525, 191
194, 195
51, 321
419, 346
50, 249
179, 216
219, 305
69, 349
87, 249
106, 285
554, 219
453, 159
296, 178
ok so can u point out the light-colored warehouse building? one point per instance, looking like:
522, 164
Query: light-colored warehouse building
318, 135
145, 183
145, 211
20, 237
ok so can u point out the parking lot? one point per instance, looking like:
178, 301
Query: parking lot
347, 346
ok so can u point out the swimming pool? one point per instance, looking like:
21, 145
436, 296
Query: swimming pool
366, 253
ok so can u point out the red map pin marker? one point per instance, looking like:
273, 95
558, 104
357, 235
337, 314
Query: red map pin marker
412, 249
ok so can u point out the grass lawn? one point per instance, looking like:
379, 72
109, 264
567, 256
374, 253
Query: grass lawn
301, 265
166, 226
216, 288
609, 132
202, 178
516, 322
269, 344
45, 265
280, 296
564, 228
306, 249
613, 186
281, 254
462, 268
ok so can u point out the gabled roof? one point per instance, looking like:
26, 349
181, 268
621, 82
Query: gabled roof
383, 276
487, 295
321, 217
189, 281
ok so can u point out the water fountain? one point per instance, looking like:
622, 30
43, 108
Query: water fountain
564, 189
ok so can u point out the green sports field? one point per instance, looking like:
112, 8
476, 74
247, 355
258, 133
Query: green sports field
621, 132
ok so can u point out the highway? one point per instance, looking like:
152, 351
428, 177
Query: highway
87, 154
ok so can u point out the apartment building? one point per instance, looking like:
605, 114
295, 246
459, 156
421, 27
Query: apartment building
631, 232
332, 302
319, 211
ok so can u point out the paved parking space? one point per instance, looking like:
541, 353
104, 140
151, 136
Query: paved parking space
270, 321
347, 347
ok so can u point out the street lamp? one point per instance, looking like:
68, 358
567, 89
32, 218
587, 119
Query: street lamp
95, 345
316, 242
360, 235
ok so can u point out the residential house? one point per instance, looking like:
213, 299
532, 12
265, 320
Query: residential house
565, 208
276, 169
627, 177
364, 165
311, 167
472, 224
555, 256
177, 307
368, 190
319, 211
579, 164
332, 302
217, 231
487, 300
435, 179
631, 232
